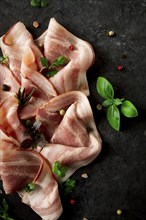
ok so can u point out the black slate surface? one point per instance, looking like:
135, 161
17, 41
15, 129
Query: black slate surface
117, 178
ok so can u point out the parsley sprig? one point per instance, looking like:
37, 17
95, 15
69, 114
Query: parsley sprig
50, 71
23, 98
60, 172
4, 59
4, 208
106, 91
39, 3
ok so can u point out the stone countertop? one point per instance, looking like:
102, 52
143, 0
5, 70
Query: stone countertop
117, 178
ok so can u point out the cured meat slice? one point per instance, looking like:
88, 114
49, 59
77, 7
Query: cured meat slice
45, 199
76, 141
32, 79
7, 78
10, 121
19, 167
73, 76
14, 44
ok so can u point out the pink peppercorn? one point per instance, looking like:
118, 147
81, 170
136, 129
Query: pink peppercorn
72, 201
71, 47
120, 67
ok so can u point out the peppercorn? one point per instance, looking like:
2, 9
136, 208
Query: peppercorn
119, 212
99, 107
62, 112
72, 201
120, 68
36, 24
111, 33
5, 87
26, 143
71, 47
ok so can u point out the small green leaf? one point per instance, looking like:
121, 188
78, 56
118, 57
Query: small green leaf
68, 186
107, 102
58, 170
51, 73
128, 109
117, 101
36, 3
113, 117
44, 3
30, 187
60, 61
104, 88
44, 62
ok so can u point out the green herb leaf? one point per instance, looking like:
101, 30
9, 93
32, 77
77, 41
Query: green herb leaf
44, 62
4, 59
107, 102
30, 187
4, 211
113, 117
104, 88
58, 170
128, 109
117, 101
44, 3
36, 3
51, 73
60, 61
23, 98
68, 186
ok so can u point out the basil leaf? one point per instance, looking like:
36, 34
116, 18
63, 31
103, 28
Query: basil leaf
60, 61
51, 73
44, 3
104, 88
113, 117
68, 186
117, 101
128, 109
44, 62
58, 170
107, 102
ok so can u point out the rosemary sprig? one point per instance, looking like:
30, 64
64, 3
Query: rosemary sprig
23, 98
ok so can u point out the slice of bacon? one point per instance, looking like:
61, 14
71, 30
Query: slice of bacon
7, 77
19, 167
9, 120
76, 141
14, 44
73, 76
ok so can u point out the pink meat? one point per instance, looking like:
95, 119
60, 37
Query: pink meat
73, 76
14, 44
9, 120
76, 141
7, 77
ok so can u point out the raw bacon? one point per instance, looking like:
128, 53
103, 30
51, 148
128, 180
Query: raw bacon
73, 76
71, 138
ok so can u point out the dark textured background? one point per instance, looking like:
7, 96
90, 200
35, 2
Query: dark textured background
117, 178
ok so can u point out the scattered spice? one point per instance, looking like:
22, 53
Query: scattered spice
71, 47
5, 87
111, 33
62, 112
72, 201
99, 107
119, 212
85, 219
36, 24
120, 67
84, 175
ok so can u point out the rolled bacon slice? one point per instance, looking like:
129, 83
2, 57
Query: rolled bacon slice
7, 78
76, 141
14, 44
57, 43
19, 167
